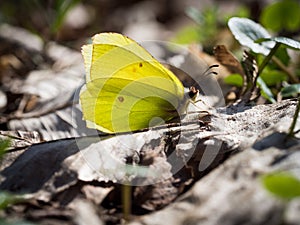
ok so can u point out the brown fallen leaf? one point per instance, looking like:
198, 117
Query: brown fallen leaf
227, 59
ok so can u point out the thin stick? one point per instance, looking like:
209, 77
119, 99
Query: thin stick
126, 201
291, 130
286, 70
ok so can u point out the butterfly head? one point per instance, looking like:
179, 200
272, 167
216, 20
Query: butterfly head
189, 97
192, 94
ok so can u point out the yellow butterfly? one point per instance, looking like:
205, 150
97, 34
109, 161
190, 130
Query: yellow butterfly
126, 88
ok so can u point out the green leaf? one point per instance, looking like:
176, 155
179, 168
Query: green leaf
4, 222
8, 199
247, 32
282, 15
4, 144
287, 42
290, 91
195, 14
273, 77
61, 8
242, 11
283, 185
206, 21
234, 79
282, 54
189, 34
265, 91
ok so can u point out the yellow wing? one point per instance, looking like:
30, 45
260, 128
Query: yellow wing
111, 51
123, 105
126, 87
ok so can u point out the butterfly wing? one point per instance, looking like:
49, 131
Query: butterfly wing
123, 105
126, 87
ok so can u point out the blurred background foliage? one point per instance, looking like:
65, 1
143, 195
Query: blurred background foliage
181, 21
72, 22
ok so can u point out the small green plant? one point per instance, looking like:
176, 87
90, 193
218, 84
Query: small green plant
6, 198
208, 23
51, 15
204, 20
282, 184
5, 222
61, 7
259, 41
4, 144
281, 16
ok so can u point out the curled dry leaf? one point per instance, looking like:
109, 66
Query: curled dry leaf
227, 59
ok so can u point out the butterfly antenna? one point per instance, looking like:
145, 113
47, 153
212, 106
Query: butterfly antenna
209, 70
